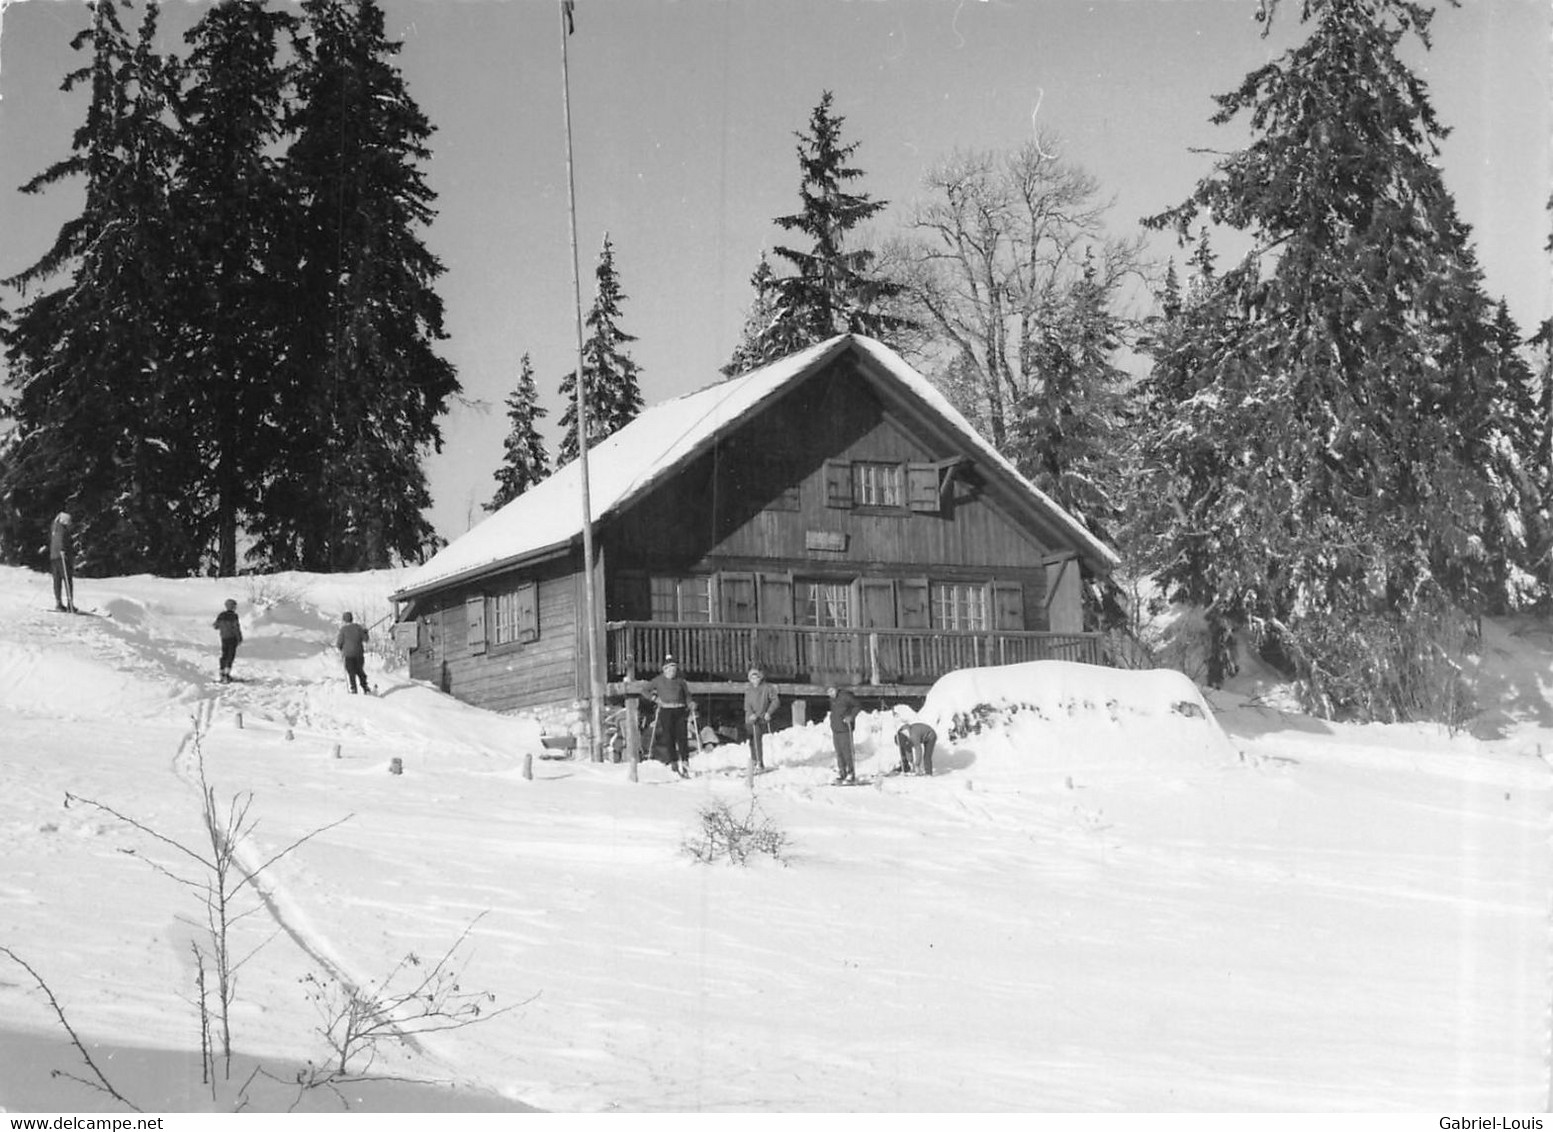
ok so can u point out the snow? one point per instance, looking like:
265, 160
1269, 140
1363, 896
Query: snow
638, 456
1113, 895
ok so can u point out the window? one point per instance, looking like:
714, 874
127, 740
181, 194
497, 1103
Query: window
681, 599
506, 618
517, 615
959, 605
824, 604
877, 485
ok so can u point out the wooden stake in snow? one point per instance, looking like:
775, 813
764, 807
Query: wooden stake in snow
239, 721
336, 750
528, 765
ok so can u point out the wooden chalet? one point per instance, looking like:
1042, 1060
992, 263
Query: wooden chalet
829, 517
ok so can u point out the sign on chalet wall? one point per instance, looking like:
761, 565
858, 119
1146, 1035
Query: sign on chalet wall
832, 541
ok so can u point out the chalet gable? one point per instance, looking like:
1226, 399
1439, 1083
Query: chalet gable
669, 437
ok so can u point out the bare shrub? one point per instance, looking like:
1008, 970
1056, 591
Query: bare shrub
416, 997
734, 836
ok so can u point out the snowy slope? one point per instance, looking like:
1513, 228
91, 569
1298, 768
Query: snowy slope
1113, 895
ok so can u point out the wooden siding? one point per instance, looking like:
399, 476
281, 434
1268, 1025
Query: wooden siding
511, 675
732, 510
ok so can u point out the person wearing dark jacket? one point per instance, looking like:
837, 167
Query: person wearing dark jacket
231, 630
916, 741
352, 643
671, 695
844, 710
760, 704
62, 561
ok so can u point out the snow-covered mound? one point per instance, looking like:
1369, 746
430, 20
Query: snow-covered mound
1058, 717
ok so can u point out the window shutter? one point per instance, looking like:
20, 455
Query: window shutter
922, 487
1008, 600
474, 618
737, 592
838, 483
912, 596
528, 612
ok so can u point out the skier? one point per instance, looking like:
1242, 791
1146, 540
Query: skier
844, 710
352, 643
231, 630
62, 562
760, 704
915, 740
672, 697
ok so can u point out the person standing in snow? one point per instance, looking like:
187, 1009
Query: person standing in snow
352, 643
760, 704
844, 710
671, 695
231, 630
62, 562
915, 740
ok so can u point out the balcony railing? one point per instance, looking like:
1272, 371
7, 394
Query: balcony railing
722, 651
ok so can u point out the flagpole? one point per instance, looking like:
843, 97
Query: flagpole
592, 653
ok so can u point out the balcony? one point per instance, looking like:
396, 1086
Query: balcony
802, 655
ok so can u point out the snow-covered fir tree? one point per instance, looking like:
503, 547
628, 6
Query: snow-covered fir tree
363, 384
830, 287
1070, 430
234, 209
88, 350
758, 320
1325, 422
525, 461
610, 378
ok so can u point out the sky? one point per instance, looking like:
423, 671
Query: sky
684, 114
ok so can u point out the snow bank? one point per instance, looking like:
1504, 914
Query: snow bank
1061, 716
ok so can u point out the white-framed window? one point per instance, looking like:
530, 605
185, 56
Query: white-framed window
959, 605
506, 618
877, 485
824, 604
680, 599
516, 615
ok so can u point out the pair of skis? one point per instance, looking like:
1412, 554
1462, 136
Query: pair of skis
695, 728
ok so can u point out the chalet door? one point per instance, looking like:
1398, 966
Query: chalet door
737, 595
877, 605
915, 654
776, 649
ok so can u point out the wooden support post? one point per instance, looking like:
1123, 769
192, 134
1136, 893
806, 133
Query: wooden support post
873, 659
633, 729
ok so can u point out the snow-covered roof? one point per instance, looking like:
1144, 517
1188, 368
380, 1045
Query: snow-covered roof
623, 467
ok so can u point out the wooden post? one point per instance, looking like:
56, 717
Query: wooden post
336, 750
873, 659
239, 721
528, 765
633, 731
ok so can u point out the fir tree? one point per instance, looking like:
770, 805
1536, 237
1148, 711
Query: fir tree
1322, 433
830, 288
101, 429
761, 318
235, 209
363, 385
525, 462
1070, 431
611, 379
